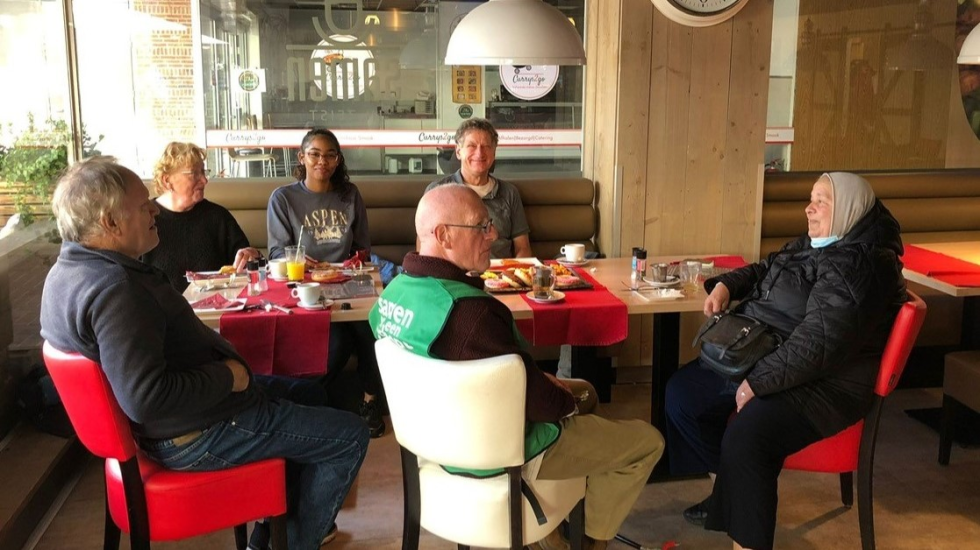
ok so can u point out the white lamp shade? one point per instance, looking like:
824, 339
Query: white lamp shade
515, 32
970, 52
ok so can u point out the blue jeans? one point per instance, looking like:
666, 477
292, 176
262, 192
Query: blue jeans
323, 448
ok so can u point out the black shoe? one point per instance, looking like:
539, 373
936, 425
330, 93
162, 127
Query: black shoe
371, 414
260, 537
698, 514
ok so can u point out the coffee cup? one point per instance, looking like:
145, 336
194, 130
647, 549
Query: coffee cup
574, 252
277, 269
659, 272
307, 293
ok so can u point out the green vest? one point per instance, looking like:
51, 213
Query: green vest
414, 310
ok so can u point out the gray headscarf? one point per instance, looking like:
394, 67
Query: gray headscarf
853, 198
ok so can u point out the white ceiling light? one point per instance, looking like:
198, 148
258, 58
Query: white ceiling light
515, 32
970, 52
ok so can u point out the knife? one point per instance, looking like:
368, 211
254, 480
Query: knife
269, 304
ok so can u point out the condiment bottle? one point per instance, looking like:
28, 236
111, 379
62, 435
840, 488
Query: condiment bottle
263, 275
252, 268
639, 268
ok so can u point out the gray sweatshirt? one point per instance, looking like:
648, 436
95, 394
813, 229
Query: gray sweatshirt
334, 226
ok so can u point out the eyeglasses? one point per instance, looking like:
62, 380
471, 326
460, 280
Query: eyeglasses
330, 156
485, 228
196, 173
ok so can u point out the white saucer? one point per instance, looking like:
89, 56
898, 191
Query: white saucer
320, 305
671, 281
567, 263
556, 296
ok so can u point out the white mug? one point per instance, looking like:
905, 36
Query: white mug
308, 294
277, 269
574, 252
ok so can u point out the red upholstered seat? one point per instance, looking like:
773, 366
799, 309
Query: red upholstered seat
163, 504
854, 448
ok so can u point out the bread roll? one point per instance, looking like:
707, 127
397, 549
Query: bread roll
512, 279
524, 275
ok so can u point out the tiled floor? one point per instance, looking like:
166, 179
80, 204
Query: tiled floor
918, 504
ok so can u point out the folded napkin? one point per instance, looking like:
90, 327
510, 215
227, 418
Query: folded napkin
215, 301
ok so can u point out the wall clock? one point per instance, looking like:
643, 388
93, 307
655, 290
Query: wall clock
699, 13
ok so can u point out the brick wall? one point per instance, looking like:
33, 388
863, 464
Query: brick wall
164, 63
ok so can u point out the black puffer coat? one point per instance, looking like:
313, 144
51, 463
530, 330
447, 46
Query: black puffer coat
834, 306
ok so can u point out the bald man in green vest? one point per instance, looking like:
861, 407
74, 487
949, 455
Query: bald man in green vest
438, 308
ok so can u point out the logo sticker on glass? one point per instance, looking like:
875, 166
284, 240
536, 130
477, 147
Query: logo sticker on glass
529, 81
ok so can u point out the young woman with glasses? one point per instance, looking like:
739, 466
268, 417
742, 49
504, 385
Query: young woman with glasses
324, 212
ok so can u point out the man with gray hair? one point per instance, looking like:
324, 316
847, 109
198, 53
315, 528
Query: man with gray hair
476, 149
192, 401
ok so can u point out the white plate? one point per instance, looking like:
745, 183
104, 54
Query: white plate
567, 263
321, 305
556, 296
238, 304
671, 281
227, 281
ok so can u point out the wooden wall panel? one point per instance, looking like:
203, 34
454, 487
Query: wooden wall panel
685, 122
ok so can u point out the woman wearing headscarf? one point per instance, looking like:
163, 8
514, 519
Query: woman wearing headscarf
832, 295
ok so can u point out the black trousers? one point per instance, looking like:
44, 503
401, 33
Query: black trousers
751, 449
353, 337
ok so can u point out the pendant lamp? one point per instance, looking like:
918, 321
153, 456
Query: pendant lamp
515, 32
970, 52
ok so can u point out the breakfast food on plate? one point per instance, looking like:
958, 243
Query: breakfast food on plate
227, 270
488, 275
564, 281
511, 278
496, 284
560, 270
524, 274
321, 275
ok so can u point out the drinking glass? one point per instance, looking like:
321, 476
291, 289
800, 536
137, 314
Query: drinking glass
295, 262
691, 276
543, 282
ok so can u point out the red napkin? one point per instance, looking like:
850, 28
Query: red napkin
945, 268
584, 318
728, 262
214, 301
276, 343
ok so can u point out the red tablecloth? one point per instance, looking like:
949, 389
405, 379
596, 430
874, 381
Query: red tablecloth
941, 267
276, 343
728, 262
584, 318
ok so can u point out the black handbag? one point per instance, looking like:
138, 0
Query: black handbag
732, 343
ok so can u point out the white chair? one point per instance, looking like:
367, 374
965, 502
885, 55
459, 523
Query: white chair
470, 414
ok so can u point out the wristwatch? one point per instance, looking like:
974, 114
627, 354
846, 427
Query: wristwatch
699, 13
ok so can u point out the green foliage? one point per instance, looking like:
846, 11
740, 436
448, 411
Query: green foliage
31, 166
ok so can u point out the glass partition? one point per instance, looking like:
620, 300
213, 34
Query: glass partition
861, 85
248, 79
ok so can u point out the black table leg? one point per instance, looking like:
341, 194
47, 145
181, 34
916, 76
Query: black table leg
666, 358
587, 365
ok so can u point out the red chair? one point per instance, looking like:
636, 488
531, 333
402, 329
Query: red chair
145, 499
854, 448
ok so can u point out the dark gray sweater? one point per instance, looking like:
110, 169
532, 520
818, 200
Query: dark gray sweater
164, 365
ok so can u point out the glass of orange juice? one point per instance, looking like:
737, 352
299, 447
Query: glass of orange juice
295, 262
